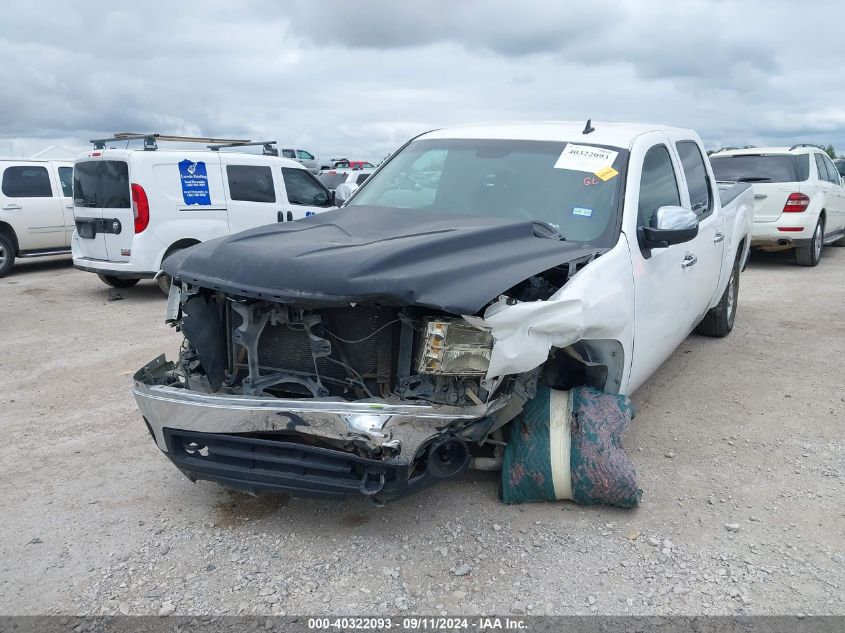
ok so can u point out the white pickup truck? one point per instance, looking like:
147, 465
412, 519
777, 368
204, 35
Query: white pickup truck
381, 347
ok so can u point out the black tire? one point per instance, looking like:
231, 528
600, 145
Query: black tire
7, 254
811, 254
719, 320
164, 280
118, 282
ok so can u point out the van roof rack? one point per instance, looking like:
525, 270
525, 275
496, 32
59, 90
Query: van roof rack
806, 145
150, 139
268, 149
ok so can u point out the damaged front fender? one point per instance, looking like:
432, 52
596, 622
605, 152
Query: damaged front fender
595, 305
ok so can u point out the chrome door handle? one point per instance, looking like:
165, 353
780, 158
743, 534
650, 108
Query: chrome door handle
688, 261
10, 207
718, 237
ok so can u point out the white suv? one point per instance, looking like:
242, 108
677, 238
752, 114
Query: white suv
136, 207
36, 214
799, 199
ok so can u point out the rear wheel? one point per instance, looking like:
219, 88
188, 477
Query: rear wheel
7, 254
118, 282
719, 320
810, 254
164, 280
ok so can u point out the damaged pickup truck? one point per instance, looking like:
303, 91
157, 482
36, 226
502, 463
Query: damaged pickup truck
388, 345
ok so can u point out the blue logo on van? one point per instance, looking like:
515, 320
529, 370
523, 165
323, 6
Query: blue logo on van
194, 179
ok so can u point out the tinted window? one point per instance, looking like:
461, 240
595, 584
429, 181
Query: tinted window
303, 188
251, 183
757, 168
832, 174
304, 155
840, 166
509, 179
288, 153
658, 184
26, 182
101, 183
331, 180
66, 179
361, 178
820, 168
696, 174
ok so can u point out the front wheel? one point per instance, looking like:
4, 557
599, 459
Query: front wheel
810, 254
719, 320
118, 282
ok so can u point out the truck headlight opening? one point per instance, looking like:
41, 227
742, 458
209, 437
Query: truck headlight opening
455, 348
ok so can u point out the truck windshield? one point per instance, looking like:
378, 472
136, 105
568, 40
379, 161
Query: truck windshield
761, 167
574, 187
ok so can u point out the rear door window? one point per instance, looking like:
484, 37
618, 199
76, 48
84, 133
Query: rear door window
698, 182
251, 183
303, 188
29, 181
101, 183
832, 174
658, 184
303, 155
66, 180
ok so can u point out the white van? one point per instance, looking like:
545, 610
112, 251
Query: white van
135, 207
36, 214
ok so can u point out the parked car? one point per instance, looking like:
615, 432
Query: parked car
311, 162
134, 208
345, 163
839, 163
333, 177
36, 214
376, 348
799, 200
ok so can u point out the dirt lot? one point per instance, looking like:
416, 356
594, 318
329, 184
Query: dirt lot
737, 442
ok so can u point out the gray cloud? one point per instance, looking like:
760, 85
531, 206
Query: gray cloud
360, 78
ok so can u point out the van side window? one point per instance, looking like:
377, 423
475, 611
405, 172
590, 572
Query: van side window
251, 183
26, 182
303, 188
698, 183
66, 179
658, 184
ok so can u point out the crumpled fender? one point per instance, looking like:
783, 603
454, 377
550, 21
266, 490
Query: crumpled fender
596, 303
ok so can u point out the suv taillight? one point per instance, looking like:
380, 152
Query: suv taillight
796, 203
140, 208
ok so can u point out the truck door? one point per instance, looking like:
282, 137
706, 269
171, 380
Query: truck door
708, 246
30, 201
665, 302
304, 194
251, 191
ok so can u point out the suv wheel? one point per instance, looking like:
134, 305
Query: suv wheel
810, 254
118, 282
7, 254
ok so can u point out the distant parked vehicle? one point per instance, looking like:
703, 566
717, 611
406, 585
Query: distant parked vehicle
311, 162
345, 163
135, 208
799, 200
36, 214
334, 177
839, 163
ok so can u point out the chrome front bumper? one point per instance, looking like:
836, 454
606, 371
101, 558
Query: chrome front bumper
373, 424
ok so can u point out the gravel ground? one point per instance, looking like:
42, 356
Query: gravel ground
737, 443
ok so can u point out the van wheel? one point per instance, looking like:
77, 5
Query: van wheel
719, 320
7, 255
810, 254
118, 282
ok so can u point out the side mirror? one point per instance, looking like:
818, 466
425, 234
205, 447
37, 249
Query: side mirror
322, 199
672, 225
344, 191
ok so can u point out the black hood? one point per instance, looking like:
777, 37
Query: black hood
361, 254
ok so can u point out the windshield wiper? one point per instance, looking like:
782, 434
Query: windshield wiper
753, 179
544, 229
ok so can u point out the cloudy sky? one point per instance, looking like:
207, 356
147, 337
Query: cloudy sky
360, 77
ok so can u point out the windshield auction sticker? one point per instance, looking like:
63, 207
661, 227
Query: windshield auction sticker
585, 158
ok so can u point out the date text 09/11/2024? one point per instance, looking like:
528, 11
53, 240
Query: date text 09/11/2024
417, 623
